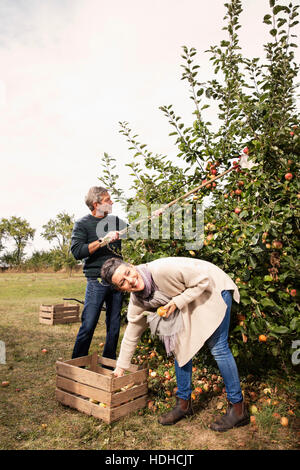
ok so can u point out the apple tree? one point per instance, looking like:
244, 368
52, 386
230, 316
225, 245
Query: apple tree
252, 214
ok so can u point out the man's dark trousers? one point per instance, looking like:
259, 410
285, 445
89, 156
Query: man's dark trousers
95, 296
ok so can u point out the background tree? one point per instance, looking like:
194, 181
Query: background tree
18, 230
59, 230
39, 261
252, 218
1, 236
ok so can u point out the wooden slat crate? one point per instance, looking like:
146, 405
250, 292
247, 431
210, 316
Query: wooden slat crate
94, 390
59, 313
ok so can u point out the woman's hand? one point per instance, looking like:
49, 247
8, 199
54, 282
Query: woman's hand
170, 308
118, 372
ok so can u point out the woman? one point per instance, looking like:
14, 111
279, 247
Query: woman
197, 297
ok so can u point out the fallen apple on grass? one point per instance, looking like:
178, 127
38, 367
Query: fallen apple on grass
5, 383
284, 421
253, 409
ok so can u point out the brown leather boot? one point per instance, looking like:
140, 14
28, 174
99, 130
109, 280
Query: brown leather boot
182, 408
236, 415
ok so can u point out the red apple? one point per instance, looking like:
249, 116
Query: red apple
44, 351
5, 383
238, 192
288, 176
237, 210
246, 150
293, 292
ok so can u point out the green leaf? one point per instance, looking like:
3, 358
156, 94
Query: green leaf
268, 278
254, 239
277, 9
275, 351
235, 350
295, 323
279, 329
244, 213
267, 302
267, 19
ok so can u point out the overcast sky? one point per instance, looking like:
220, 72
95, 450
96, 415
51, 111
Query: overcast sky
72, 69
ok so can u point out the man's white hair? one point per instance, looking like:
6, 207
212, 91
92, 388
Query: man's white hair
94, 194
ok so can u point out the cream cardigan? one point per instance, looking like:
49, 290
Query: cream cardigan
195, 286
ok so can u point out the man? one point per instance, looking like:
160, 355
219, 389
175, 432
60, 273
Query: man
86, 237
197, 297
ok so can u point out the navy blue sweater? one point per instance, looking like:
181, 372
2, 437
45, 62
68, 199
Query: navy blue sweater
89, 229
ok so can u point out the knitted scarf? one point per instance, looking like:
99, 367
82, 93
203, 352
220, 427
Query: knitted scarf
151, 298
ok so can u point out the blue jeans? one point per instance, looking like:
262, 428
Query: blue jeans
218, 345
95, 296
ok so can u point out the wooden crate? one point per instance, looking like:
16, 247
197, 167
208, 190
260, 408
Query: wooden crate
116, 396
59, 313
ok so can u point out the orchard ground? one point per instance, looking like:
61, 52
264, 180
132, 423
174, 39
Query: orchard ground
31, 418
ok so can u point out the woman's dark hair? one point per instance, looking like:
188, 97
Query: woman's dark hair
109, 267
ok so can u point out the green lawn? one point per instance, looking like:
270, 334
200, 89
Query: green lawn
31, 418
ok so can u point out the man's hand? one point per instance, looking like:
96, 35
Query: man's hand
118, 372
170, 308
113, 236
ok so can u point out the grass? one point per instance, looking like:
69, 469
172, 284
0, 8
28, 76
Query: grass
31, 418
